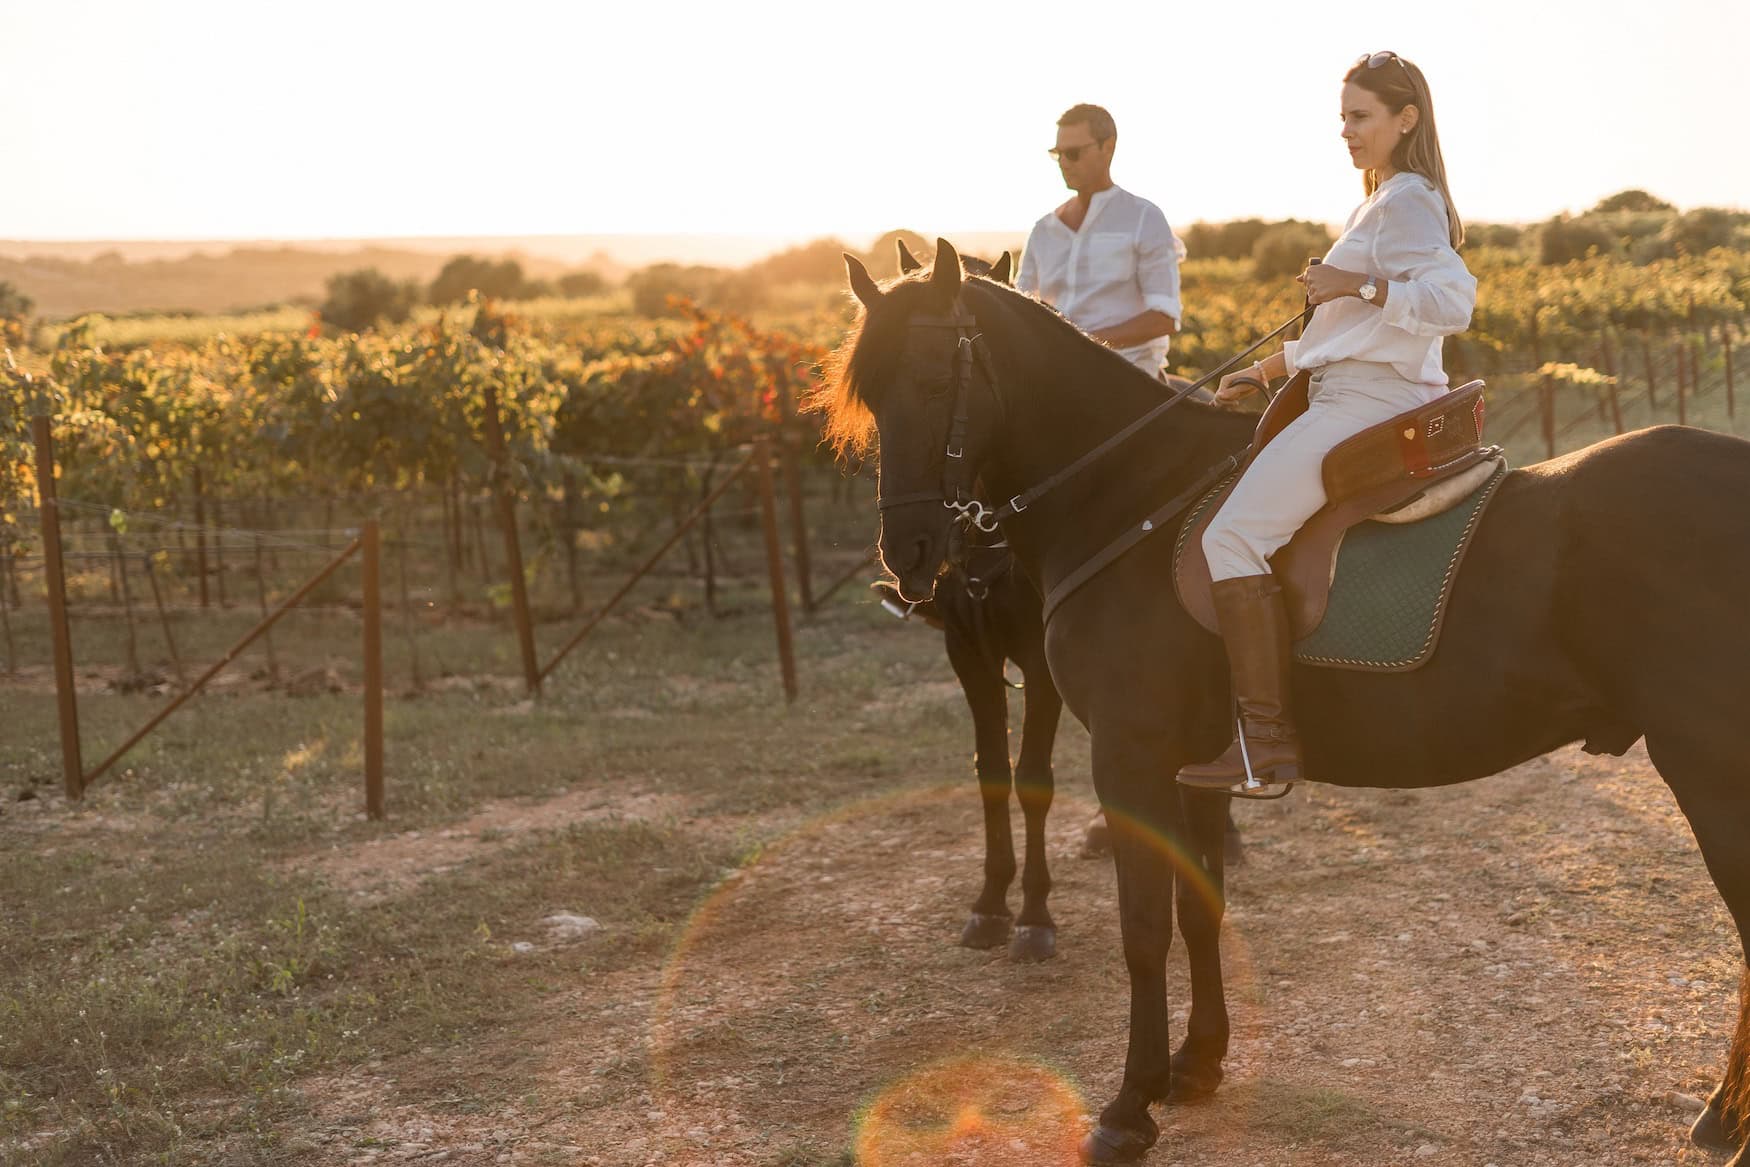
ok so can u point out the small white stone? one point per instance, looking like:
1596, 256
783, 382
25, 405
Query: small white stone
522, 946
567, 926
1427, 1151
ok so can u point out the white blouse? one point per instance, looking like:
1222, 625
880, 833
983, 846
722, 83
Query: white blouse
1400, 235
1123, 261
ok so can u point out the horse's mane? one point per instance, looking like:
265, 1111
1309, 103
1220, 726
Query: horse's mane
873, 344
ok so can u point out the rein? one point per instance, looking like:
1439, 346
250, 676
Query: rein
955, 492
1022, 501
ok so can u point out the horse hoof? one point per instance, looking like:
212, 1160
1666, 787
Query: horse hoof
1033, 943
1193, 1082
985, 931
1109, 1144
1709, 1130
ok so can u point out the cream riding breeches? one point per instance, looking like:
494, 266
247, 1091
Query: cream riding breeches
1284, 487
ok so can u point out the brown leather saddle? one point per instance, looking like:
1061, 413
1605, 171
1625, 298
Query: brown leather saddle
1409, 468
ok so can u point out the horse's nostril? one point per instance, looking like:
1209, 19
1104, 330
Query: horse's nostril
920, 551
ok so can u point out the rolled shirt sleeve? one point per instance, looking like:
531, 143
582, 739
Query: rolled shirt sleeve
1431, 293
1157, 264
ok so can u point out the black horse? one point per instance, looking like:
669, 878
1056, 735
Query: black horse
989, 613
1601, 600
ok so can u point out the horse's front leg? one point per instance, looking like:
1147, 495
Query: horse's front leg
1035, 932
1201, 899
1142, 805
990, 923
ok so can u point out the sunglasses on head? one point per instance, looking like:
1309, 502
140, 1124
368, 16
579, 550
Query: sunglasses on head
1072, 153
1375, 60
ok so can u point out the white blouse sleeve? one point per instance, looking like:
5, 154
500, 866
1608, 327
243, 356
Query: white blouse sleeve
1431, 293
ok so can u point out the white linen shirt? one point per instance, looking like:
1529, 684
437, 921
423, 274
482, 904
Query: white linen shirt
1399, 235
1123, 261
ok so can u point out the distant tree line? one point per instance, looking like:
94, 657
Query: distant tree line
356, 300
1640, 228
1632, 225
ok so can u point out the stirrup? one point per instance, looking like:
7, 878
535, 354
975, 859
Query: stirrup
1251, 786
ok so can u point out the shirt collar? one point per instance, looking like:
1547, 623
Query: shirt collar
1096, 204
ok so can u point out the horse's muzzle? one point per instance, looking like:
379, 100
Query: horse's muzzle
914, 553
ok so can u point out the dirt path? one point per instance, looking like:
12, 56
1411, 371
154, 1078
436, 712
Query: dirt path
1529, 970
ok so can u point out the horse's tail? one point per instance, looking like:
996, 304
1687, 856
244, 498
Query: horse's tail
1735, 1087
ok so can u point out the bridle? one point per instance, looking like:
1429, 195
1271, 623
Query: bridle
955, 491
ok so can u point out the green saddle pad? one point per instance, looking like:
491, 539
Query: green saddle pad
1390, 588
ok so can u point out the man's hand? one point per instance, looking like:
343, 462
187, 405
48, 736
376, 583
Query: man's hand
1325, 283
1143, 327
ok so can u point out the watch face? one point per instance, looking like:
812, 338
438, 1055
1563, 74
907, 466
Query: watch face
1369, 290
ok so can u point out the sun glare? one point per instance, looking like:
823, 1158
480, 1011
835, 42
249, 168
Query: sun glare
203, 120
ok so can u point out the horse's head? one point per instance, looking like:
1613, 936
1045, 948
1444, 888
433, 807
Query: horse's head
916, 371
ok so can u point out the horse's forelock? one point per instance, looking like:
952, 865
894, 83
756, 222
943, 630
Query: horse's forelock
870, 349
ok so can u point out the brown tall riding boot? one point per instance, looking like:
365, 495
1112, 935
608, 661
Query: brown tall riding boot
1254, 627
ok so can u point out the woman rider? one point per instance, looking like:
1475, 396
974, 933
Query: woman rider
1388, 290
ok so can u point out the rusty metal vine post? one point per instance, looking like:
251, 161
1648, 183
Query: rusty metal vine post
273, 664
200, 534
790, 453
762, 456
1684, 389
1546, 391
151, 570
506, 498
67, 702
372, 544
1610, 371
1726, 348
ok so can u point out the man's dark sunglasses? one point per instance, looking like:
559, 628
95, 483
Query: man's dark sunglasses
1375, 60
1072, 153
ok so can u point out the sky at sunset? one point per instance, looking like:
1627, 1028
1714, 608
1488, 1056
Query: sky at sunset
189, 119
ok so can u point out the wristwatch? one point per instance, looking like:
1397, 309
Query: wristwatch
1369, 289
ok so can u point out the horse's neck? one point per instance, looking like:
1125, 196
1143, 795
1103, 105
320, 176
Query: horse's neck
1061, 404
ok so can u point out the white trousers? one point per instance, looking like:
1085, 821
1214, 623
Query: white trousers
1284, 487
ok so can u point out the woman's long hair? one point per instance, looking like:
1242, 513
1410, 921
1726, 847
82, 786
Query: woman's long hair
1398, 83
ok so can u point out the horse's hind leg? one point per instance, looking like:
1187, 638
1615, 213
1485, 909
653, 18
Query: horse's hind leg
1035, 933
1714, 792
990, 923
1723, 1126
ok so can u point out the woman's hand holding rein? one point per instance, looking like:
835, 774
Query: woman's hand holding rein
1325, 283
1244, 382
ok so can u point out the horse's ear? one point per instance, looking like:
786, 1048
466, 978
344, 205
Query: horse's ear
1002, 271
908, 262
861, 282
946, 277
